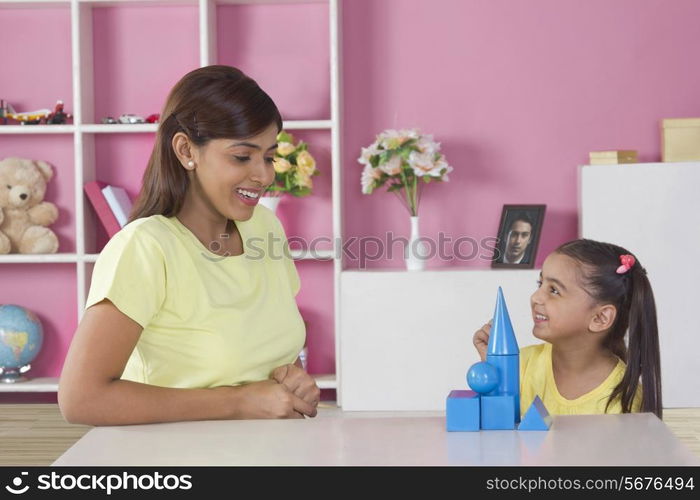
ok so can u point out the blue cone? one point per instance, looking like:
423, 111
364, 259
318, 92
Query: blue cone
502, 339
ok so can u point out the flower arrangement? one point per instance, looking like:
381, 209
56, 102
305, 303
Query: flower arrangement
294, 168
399, 159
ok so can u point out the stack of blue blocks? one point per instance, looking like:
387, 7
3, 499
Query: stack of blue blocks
494, 404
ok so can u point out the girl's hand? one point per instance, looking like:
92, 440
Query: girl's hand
298, 382
481, 340
270, 399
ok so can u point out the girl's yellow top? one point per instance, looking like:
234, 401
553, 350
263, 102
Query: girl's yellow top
207, 320
537, 379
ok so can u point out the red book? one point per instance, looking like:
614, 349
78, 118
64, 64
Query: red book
93, 190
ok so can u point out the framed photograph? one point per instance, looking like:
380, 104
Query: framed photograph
518, 236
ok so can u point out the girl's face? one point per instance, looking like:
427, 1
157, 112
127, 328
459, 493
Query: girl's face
232, 174
561, 308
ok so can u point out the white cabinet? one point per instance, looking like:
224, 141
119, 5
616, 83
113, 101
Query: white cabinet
406, 337
653, 211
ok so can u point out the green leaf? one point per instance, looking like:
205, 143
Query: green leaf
394, 187
426, 179
374, 161
385, 156
284, 137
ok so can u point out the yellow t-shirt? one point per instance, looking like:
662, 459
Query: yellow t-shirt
207, 320
537, 379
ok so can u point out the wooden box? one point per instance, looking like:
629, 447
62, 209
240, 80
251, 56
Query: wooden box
680, 139
612, 157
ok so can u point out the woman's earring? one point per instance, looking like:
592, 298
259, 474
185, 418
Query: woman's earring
190, 164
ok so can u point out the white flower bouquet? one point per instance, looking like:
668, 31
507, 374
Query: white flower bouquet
399, 159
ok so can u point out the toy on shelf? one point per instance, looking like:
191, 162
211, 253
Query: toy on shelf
154, 118
57, 116
494, 401
109, 120
24, 215
129, 119
21, 338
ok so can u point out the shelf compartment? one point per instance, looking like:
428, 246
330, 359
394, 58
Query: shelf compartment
308, 221
39, 74
122, 83
242, 38
50, 292
315, 300
57, 150
120, 160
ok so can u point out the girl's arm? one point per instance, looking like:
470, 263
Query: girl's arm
481, 340
91, 392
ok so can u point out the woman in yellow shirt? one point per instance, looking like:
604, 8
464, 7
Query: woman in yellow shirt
191, 312
590, 296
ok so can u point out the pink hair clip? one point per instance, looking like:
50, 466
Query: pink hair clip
627, 262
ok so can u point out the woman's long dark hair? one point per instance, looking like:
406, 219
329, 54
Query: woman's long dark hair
633, 298
214, 102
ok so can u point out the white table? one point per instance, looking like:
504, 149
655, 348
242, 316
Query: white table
354, 438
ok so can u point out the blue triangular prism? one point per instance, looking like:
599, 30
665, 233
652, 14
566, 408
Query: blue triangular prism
536, 418
502, 339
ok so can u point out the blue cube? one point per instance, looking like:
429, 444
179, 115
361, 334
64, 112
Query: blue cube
463, 411
497, 412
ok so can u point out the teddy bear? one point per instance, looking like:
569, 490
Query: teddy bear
24, 215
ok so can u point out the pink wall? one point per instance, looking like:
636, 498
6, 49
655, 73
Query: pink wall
518, 93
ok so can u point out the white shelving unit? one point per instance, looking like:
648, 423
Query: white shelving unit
84, 129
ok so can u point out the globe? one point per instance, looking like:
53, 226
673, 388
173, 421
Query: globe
21, 338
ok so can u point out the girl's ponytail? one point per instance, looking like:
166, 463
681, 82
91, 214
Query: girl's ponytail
643, 348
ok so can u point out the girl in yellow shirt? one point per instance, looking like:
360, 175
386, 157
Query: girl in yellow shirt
191, 313
589, 297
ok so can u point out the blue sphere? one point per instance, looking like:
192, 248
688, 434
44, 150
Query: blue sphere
482, 377
21, 337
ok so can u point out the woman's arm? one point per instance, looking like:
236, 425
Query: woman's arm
91, 392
